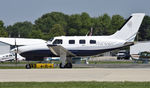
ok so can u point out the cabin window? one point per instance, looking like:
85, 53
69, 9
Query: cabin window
92, 41
10, 55
82, 41
71, 41
58, 41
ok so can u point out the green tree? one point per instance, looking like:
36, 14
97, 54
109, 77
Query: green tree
3, 32
72, 32
116, 22
36, 34
102, 25
57, 24
83, 32
57, 30
86, 20
75, 21
20, 29
46, 22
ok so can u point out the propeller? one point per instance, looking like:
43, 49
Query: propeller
16, 50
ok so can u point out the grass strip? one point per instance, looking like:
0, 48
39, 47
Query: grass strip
74, 84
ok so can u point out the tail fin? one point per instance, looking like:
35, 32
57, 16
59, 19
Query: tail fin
129, 30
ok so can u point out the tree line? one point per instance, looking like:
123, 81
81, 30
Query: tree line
58, 24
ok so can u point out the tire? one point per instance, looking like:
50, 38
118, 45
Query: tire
68, 65
60, 65
127, 58
118, 58
28, 66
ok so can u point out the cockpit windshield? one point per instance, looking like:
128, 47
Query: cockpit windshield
51, 39
58, 41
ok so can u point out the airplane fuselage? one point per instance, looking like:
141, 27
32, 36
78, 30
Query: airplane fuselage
88, 45
78, 45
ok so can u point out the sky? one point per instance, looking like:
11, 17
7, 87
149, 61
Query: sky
12, 11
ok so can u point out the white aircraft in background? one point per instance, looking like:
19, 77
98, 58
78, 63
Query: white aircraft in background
10, 57
15, 42
66, 47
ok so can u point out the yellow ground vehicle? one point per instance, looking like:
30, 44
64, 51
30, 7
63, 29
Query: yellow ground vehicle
40, 65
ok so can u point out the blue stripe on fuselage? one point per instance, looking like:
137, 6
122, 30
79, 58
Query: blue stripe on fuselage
40, 54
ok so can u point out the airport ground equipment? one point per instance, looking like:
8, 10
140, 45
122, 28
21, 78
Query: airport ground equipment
143, 56
40, 65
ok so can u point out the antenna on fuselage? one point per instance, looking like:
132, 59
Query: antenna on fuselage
90, 33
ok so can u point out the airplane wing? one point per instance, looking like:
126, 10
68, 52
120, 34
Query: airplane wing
21, 41
59, 50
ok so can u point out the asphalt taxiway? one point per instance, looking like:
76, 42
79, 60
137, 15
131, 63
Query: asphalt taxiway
76, 74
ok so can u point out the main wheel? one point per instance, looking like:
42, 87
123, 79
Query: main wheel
68, 65
118, 58
28, 66
60, 65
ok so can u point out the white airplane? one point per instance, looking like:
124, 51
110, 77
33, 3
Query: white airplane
66, 47
10, 57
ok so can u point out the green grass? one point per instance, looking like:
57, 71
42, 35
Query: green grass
21, 62
75, 85
14, 67
82, 62
110, 62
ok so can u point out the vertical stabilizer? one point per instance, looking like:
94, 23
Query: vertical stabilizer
129, 30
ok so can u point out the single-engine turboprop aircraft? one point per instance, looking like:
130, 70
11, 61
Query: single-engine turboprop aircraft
66, 47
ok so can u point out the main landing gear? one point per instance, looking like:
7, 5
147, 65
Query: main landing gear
66, 62
67, 65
